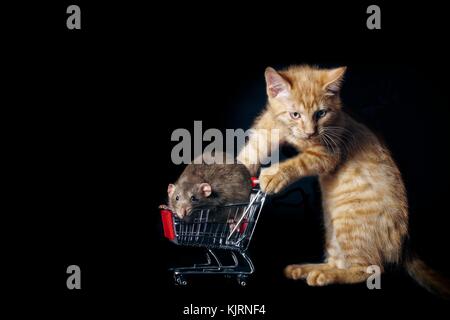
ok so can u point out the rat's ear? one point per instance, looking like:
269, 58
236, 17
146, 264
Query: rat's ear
170, 189
205, 189
333, 80
276, 85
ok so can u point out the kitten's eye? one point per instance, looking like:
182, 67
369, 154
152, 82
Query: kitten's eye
321, 113
295, 115
177, 198
194, 199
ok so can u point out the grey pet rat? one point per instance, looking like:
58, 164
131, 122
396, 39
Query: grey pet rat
211, 185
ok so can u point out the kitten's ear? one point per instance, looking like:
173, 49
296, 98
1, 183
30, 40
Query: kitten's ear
275, 83
170, 189
205, 189
333, 80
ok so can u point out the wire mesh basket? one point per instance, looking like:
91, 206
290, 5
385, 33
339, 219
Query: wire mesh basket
229, 228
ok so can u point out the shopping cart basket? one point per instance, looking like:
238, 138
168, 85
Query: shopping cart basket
230, 233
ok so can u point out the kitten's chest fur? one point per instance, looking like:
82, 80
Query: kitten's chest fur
365, 207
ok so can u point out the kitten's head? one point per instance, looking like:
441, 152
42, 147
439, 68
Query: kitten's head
306, 99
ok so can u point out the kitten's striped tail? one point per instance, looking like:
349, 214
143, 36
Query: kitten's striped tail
428, 278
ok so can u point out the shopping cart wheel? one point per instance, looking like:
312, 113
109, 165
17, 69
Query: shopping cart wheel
242, 280
180, 280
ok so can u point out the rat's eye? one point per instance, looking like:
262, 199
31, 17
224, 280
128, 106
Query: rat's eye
194, 199
177, 198
294, 115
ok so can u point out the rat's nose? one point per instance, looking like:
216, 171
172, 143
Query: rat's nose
181, 213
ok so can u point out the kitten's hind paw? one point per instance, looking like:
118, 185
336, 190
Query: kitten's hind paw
303, 271
320, 278
295, 272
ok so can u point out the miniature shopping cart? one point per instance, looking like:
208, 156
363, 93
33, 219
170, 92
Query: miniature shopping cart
231, 233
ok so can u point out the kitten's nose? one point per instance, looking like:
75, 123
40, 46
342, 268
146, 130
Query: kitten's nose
310, 134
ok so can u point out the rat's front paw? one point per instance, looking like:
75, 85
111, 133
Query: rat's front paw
163, 207
273, 180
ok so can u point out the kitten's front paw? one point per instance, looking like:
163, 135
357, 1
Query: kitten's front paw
273, 180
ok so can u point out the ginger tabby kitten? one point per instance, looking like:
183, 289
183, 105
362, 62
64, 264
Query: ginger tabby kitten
364, 200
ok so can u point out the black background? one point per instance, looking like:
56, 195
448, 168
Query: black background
96, 108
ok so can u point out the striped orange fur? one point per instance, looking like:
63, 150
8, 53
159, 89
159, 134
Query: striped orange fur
364, 198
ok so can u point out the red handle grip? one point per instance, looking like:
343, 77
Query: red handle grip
167, 221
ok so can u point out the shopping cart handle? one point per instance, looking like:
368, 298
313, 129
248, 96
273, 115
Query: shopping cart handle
255, 182
167, 221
